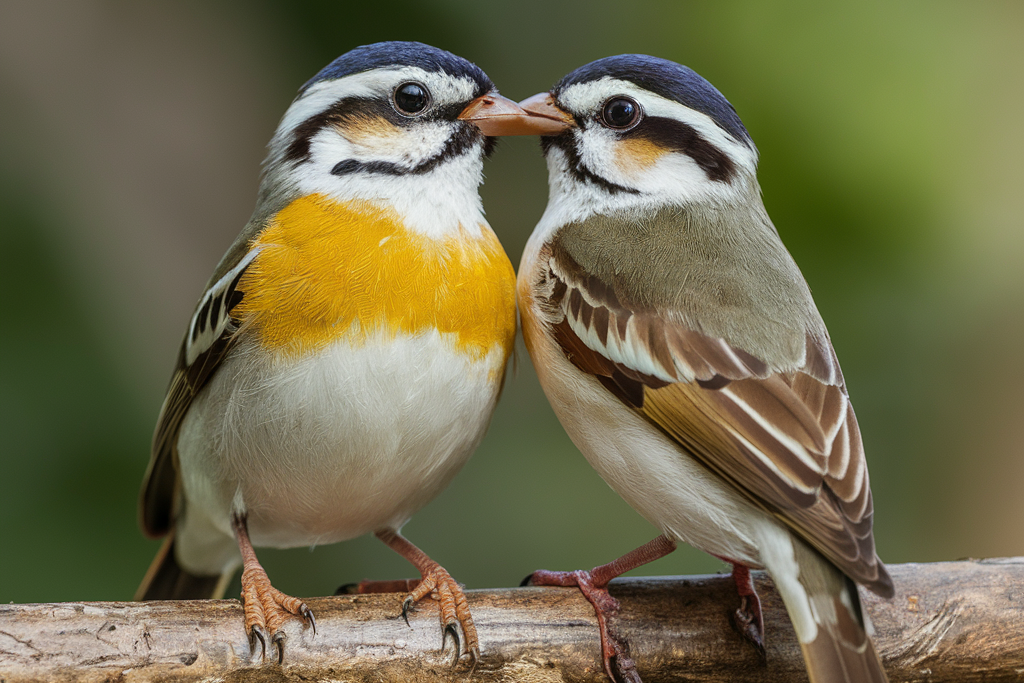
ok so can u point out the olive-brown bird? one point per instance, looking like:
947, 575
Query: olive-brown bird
680, 347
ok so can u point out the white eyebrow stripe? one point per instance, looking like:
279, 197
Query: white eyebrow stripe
584, 97
374, 83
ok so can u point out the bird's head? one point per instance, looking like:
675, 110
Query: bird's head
403, 124
634, 132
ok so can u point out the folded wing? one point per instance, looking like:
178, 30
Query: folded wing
211, 334
787, 439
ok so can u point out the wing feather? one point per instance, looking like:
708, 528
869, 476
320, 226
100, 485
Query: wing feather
211, 334
786, 437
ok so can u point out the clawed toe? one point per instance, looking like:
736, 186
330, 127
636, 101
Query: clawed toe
437, 583
307, 616
614, 649
594, 585
279, 639
408, 605
266, 609
748, 621
454, 611
453, 629
257, 633
623, 670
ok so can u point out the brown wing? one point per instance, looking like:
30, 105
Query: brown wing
787, 438
210, 336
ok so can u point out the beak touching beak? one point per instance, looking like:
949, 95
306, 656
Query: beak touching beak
548, 117
497, 116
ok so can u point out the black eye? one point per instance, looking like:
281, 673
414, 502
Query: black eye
620, 112
411, 98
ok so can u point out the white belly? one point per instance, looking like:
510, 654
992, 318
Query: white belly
651, 472
326, 448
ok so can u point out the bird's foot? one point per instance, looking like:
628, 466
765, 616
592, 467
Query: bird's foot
438, 584
618, 664
266, 609
748, 619
749, 622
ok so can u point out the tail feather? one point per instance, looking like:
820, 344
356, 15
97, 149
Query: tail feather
842, 651
168, 580
830, 624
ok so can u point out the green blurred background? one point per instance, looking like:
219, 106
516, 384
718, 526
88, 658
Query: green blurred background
131, 134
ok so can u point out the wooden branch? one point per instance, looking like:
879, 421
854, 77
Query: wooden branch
950, 621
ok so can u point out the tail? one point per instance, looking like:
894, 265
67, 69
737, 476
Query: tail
830, 623
167, 580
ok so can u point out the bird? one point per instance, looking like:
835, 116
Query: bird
680, 347
346, 355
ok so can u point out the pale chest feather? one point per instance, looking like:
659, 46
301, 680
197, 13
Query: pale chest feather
328, 271
653, 474
331, 445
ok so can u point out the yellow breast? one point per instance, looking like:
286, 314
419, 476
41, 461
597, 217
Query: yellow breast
328, 271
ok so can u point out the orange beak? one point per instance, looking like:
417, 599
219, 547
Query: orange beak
498, 116
548, 117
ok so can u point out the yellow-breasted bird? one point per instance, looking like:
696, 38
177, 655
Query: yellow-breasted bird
680, 347
346, 356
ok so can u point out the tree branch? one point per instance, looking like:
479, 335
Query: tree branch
950, 621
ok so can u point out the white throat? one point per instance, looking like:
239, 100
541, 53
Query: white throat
435, 204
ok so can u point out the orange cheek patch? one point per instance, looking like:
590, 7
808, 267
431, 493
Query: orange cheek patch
637, 154
369, 131
329, 271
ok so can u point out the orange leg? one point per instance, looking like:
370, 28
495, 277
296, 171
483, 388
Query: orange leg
439, 584
265, 607
594, 585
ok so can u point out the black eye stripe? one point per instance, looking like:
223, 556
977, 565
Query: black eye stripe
676, 136
350, 108
668, 133
343, 110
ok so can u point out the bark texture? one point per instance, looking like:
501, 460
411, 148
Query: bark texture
949, 621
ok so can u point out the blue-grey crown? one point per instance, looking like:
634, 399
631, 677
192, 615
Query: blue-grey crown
668, 79
399, 53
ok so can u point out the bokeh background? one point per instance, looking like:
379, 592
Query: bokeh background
131, 134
